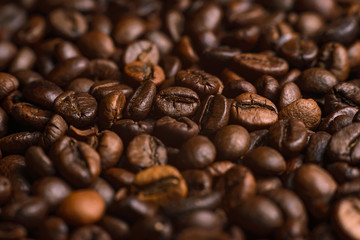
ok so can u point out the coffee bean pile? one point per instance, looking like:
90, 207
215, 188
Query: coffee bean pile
179, 119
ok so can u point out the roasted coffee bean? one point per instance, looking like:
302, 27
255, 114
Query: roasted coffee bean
268, 87
253, 111
232, 142
145, 151
26, 77
28, 211
81, 207
102, 69
68, 23
289, 93
349, 111
9, 230
201, 82
266, 184
80, 85
111, 108
213, 114
174, 24
199, 182
258, 138
316, 149
177, 102
327, 8
245, 38
78, 109
52, 189
234, 87
24, 60
316, 187
96, 44
265, 161
199, 233
192, 153
142, 50
306, 110
90, 232
343, 145
252, 65
128, 29
343, 172
186, 51
171, 65
258, 214
55, 128
18, 142
300, 53
288, 136
119, 177
66, 50
68, 70
339, 122
31, 116
54, 228
33, 31
342, 30
174, 132
334, 58
100, 89
127, 129
138, 73
141, 101
116, 227
8, 52
104, 189
346, 213
149, 228
5, 190
76, 161
13, 168
42, 93
38, 163
162, 41
4, 121
159, 185
309, 24
317, 80
8, 84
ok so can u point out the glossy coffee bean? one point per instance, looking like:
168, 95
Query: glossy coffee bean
142, 50
81, 207
111, 108
128, 29
76, 161
289, 93
90, 232
145, 151
127, 129
13, 168
317, 80
149, 228
54, 129
96, 44
253, 111
31, 116
159, 185
42, 93
19, 142
119, 177
8, 84
66, 50
100, 89
316, 149
343, 30
38, 163
116, 227
80, 85
268, 87
199, 182
78, 109
102, 69
137, 73
54, 228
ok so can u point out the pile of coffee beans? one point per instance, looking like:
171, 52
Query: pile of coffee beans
179, 119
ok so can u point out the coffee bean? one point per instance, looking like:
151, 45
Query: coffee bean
265, 184
38, 163
349, 111
186, 51
8, 84
142, 50
199, 182
327, 8
306, 110
19, 142
81, 207
343, 30
316, 187
8, 52
31, 116
4, 121
174, 24
119, 177
316, 149
309, 24
265, 161
66, 50
317, 80
100, 89
90, 232
177, 102
342, 172
33, 31
5, 190
80, 85
340, 122
96, 44
171, 65
162, 41
149, 228
116, 227
254, 65
54, 228
13, 168
128, 29
127, 129
55, 128
104, 189
102, 69
289, 93
253, 111
139, 72
199, 233
111, 108
78, 109
159, 185
76, 161
42, 93
268, 87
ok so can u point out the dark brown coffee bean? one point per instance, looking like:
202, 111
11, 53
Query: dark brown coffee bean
5, 190
54, 228
80, 85
231, 142
68, 23
128, 29
235, 87
96, 44
55, 128
354, 55
29, 115
8, 83
252, 65
202, 234
299, 53
327, 8
186, 51
52, 189
349, 111
42, 93
316, 149
334, 58
289, 93
174, 24
100, 89
66, 50
4, 121
162, 41
9, 230
68, 70
316, 187
253, 111
76, 161
119, 177
288, 136
159, 185
18, 142
111, 108
139, 72
148, 228
213, 114
8, 52
13, 168
104, 189
309, 24
127, 129
265, 161
78, 109
24, 60
145, 151
171, 65
177, 102
317, 80
142, 50
339, 122
81, 207
276, 35
343, 145
38, 163
102, 69
90, 232
33, 30
306, 110
342, 172
245, 38
345, 217
268, 87
141, 101
217, 58
201, 82
265, 184
342, 30
199, 182
116, 227
258, 215
192, 153
207, 18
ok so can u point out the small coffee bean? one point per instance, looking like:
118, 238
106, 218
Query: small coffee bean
100, 89
42, 93
265, 184
343, 172
343, 30
54, 228
268, 87
159, 185
139, 72
116, 227
339, 122
102, 69
81, 207
104, 189
96, 44
128, 29
127, 129
90, 232
31, 116
8, 84
119, 177
66, 50
186, 52
142, 50
80, 85
317, 80
4, 121
199, 182
316, 149
55, 128
13, 168
253, 111
38, 163
148, 227
349, 111
289, 93
111, 108
18, 142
